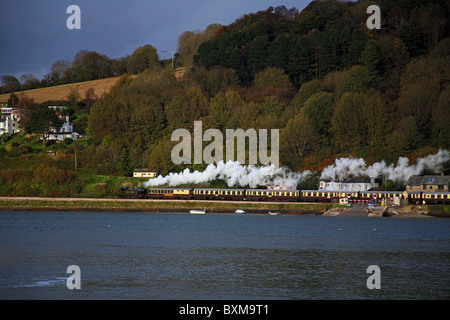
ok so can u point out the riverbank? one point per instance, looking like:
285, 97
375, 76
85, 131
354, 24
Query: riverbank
97, 204
152, 205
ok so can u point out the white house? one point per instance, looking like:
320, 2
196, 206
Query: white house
144, 173
351, 184
66, 131
9, 121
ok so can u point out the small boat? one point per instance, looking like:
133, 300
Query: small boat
198, 211
239, 211
273, 213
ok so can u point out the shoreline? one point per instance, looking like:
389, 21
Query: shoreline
155, 205
212, 207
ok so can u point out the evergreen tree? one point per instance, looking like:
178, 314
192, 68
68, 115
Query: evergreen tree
370, 58
42, 122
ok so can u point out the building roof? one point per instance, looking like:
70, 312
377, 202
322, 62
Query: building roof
357, 180
427, 180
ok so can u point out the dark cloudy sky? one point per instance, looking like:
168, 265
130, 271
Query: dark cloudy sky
34, 34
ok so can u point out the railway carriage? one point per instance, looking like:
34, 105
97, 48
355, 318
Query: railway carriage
378, 195
429, 197
415, 197
272, 195
218, 194
169, 193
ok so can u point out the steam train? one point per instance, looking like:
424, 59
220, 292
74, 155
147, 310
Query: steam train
414, 197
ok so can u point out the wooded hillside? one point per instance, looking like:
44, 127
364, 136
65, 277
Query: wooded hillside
332, 86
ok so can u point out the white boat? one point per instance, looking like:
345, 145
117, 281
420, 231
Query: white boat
198, 211
239, 211
273, 213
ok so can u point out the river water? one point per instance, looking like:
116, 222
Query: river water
221, 256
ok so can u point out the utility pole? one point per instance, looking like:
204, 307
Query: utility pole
173, 51
75, 160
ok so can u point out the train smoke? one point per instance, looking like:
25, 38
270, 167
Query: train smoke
234, 174
252, 176
401, 172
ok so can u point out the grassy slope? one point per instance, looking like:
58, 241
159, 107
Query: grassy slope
60, 92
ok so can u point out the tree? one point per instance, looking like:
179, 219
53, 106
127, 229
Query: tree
273, 106
9, 84
319, 108
257, 54
187, 107
108, 115
418, 100
215, 79
370, 58
441, 117
306, 90
357, 79
347, 124
222, 106
29, 81
297, 140
355, 47
88, 65
400, 54
58, 69
273, 77
42, 121
189, 42
142, 58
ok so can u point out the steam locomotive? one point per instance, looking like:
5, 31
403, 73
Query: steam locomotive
414, 197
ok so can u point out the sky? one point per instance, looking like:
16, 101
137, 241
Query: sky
34, 34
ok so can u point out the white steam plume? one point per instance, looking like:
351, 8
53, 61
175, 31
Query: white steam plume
234, 174
345, 167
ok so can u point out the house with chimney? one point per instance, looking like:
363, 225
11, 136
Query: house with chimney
66, 131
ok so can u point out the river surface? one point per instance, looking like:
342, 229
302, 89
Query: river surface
221, 256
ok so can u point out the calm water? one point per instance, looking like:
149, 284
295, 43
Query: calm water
221, 256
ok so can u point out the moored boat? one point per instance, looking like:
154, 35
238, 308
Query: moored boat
198, 211
273, 213
239, 211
